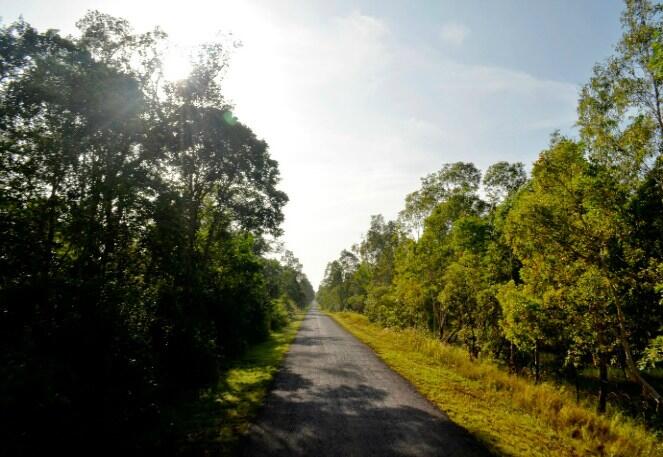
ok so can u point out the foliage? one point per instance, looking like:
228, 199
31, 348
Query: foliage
653, 354
134, 216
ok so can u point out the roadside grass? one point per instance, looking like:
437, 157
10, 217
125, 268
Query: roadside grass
213, 424
510, 414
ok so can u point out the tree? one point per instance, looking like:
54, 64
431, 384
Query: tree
458, 177
503, 179
565, 236
622, 127
134, 214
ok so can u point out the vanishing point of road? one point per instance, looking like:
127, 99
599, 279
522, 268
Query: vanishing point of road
334, 397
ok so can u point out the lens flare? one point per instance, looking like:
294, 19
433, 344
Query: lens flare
229, 117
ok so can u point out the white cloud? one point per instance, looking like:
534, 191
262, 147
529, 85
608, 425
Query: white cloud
454, 33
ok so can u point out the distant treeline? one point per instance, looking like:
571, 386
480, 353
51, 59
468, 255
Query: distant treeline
135, 216
559, 271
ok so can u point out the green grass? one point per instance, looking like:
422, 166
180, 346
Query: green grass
510, 414
213, 424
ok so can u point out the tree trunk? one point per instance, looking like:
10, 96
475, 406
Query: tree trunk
441, 318
576, 380
537, 365
622, 362
498, 352
512, 358
474, 351
634, 373
48, 248
603, 381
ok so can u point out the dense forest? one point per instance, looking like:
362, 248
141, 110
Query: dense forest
138, 221
556, 273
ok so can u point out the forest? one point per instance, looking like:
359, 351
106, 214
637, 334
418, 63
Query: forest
556, 272
139, 223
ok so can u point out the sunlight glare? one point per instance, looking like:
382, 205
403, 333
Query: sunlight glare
176, 63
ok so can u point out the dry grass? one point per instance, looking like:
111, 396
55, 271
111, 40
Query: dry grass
511, 414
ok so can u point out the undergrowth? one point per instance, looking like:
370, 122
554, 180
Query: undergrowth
214, 423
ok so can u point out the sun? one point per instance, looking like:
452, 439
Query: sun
176, 63
189, 29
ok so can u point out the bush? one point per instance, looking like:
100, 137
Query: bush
282, 311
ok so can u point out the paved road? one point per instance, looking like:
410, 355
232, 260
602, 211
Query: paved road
334, 397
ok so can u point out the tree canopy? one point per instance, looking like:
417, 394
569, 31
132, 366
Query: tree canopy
135, 215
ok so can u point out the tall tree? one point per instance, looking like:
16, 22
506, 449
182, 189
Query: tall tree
503, 179
134, 214
622, 127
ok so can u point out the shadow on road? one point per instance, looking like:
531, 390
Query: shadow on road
338, 399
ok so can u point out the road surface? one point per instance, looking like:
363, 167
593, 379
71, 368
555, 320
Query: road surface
334, 397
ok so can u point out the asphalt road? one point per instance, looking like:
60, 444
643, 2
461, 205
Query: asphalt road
334, 397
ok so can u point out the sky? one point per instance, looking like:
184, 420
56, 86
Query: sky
359, 100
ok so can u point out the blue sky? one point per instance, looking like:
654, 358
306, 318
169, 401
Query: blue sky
358, 100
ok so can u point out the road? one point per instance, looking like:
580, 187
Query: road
334, 397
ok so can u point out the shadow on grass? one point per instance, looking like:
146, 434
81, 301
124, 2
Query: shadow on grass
212, 423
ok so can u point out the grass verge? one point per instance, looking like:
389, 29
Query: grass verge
213, 424
512, 415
